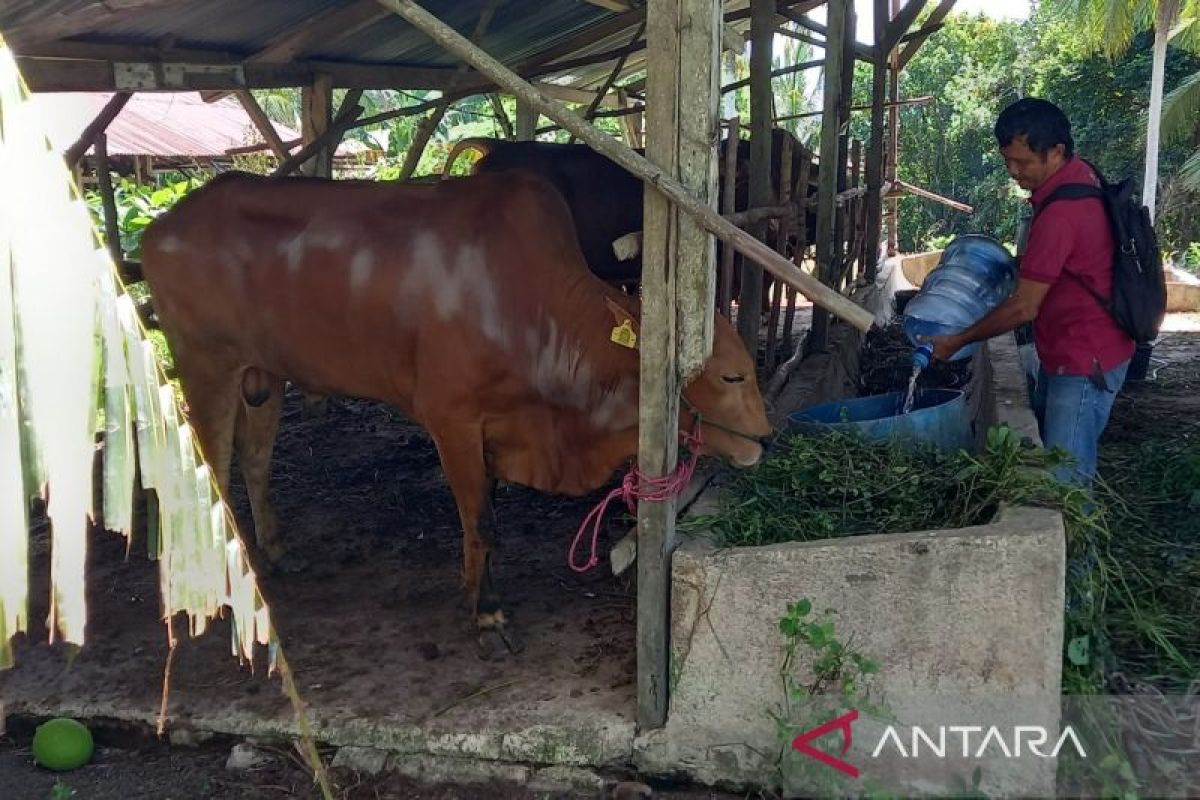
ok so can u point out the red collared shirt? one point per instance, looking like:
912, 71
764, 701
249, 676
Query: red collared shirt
1073, 333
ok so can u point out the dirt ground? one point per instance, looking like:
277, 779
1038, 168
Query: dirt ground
1171, 390
371, 619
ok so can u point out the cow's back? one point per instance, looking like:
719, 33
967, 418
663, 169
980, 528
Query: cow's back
605, 200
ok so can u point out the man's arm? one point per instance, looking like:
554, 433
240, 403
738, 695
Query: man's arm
1018, 309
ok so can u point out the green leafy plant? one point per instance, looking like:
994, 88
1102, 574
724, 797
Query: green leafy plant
137, 206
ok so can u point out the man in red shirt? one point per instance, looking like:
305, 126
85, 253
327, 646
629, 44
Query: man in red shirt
1084, 354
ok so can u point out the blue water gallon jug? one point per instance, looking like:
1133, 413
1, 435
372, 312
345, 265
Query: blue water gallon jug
974, 275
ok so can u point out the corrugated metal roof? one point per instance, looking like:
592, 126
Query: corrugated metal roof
160, 124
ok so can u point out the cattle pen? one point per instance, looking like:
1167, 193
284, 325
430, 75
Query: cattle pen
362, 617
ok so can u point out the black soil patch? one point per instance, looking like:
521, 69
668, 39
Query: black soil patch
886, 364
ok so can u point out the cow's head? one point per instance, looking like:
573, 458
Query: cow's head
725, 394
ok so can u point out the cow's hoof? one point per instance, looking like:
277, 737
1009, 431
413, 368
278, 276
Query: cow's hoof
497, 638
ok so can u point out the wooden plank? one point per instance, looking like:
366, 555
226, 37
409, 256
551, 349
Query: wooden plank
830, 166
612, 5
762, 32
631, 124
937, 198
94, 75
660, 378
729, 206
316, 113
892, 154
875, 150
911, 101
785, 196
526, 121
800, 192
855, 208
263, 123
861, 51
783, 269
96, 127
112, 231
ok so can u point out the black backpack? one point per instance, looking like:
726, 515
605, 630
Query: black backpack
1139, 286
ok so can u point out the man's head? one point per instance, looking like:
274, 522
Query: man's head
1035, 140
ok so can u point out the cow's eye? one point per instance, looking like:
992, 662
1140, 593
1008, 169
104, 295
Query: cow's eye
733, 378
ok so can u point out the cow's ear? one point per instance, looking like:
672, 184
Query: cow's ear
620, 314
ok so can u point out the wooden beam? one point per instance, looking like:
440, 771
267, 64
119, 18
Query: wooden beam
861, 51
937, 198
527, 117
570, 94
91, 75
112, 230
604, 89
830, 166
264, 124
729, 206
875, 150
631, 124
677, 296
43, 25
96, 127
899, 25
762, 32
775, 73
611, 5
912, 101
936, 18
347, 114
600, 141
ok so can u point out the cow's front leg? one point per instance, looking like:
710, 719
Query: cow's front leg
461, 453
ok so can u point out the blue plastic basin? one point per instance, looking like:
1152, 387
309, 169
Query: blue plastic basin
939, 418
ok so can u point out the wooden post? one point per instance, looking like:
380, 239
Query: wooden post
874, 225
728, 206
781, 242
677, 290
112, 231
606, 145
893, 153
762, 33
264, 124
316, 115
502, 118
96, 127
856, 206
526, 121
831, 167
631, 124
801, 193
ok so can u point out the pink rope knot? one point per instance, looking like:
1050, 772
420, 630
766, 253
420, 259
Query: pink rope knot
636, 487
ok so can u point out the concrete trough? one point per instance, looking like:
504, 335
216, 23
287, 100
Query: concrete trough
966, 625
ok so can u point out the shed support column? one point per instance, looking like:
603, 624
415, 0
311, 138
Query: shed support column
316, 114
762, 32
526, 121
677, 298
875, 147
112, 231
827, 260
893, 154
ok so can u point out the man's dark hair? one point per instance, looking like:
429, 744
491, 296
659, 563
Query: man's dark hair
1042, 123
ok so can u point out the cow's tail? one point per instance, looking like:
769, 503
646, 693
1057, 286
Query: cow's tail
481, 144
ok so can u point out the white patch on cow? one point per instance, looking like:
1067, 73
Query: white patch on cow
459, 288
324, 239
360, 269
169, 244
293, 249
560, 374
616, 409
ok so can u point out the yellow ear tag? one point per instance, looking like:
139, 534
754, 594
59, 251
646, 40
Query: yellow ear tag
623, 335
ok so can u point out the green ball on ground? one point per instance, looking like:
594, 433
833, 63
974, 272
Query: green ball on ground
62, 744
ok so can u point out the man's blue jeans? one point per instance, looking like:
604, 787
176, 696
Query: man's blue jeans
1071, 412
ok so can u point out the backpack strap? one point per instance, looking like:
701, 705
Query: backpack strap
1076, 191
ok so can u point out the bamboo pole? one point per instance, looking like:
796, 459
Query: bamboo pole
425, 130
606, 145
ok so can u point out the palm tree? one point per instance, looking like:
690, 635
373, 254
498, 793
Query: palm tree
1181, 108
1110, 26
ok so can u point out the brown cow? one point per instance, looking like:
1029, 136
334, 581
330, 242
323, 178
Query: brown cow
465, 304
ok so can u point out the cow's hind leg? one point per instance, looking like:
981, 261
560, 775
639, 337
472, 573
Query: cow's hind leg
211, 392
257, 424
461, 452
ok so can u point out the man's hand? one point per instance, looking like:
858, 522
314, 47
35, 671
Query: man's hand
943, 346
